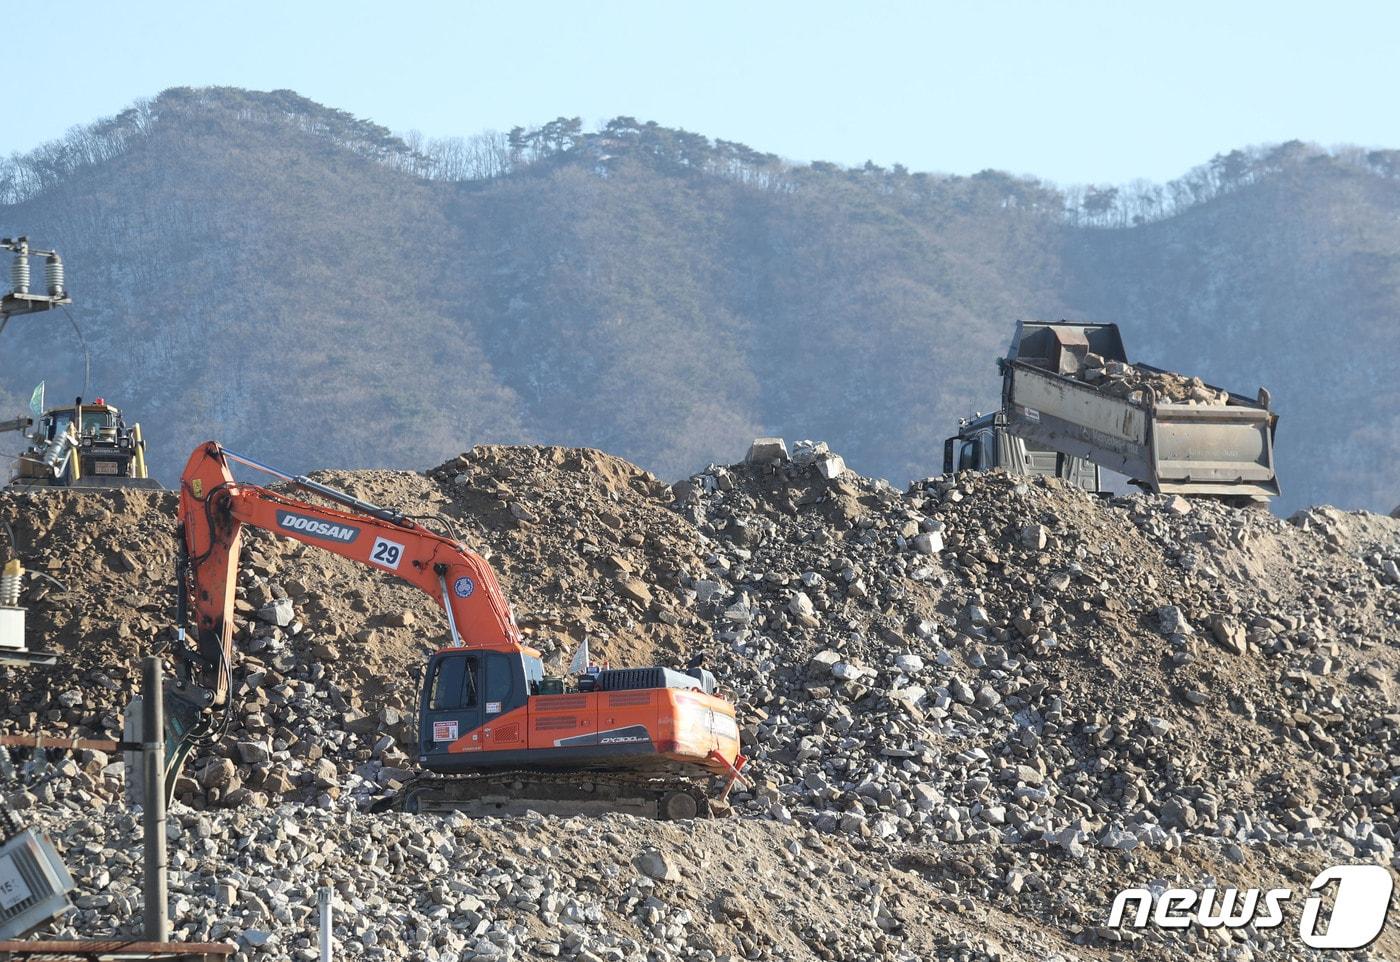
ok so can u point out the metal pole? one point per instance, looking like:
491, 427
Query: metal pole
157, 928
447, 607
323, 897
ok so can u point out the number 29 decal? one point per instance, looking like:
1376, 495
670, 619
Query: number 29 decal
386, 553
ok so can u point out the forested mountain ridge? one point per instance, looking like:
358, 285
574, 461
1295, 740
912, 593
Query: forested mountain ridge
307, 287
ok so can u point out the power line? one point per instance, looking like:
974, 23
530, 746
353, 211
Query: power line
87, 357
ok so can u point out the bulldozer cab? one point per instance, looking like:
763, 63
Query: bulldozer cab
99, 420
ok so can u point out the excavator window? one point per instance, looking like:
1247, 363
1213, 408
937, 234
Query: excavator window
455, 682
500, 680
534, 674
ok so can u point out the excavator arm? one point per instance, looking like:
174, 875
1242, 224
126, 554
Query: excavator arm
214, 508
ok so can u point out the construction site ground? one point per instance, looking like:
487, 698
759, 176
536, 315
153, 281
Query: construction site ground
977, 707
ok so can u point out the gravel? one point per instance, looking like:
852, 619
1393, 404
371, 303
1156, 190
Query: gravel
977, 707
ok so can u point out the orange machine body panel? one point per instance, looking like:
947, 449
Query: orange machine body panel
601, 730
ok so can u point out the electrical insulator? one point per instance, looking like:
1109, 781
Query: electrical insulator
19, 271
53, 275
55, 456
10, 581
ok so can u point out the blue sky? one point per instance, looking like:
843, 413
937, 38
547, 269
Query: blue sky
1074, 92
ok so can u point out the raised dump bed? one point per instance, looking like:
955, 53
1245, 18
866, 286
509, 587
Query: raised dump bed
1068, 387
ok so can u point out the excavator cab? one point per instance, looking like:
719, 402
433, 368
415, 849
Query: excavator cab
468, 688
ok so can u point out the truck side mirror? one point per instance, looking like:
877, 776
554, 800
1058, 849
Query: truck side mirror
948, 455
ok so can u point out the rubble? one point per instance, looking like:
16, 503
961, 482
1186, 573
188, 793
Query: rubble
1136, 384
977, 707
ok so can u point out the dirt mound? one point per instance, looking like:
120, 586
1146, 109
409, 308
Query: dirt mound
586, 548
102, 598
584, 543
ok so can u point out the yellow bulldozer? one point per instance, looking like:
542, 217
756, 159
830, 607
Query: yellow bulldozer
81, 446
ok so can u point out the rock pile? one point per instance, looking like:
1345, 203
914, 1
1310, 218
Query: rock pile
1054, 659
1133, 383
978, 707
485, 890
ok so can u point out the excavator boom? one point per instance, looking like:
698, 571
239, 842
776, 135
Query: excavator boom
214, 508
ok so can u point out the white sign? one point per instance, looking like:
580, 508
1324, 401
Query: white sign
1359, 907
386, 553
13, 889
493, 707
444, 731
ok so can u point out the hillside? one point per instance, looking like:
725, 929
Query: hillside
306, 287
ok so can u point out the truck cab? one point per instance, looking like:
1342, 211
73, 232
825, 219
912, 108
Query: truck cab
983, 443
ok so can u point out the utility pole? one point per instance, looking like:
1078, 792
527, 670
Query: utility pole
323, 900
156, 907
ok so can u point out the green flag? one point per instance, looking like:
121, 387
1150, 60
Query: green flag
36, 402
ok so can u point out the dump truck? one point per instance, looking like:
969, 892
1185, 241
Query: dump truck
1071, 400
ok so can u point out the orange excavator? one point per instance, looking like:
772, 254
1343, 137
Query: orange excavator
495, 734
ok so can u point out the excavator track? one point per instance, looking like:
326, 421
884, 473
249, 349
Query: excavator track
556, 793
